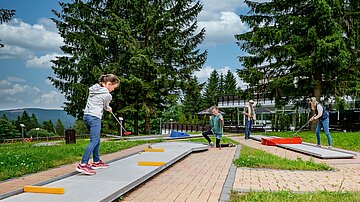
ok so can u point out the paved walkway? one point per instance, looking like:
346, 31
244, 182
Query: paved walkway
201, 176
19, 183
198, 177
345, 178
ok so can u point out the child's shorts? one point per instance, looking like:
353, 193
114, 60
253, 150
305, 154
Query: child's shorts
218, 136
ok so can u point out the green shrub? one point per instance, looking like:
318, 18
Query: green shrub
40, 133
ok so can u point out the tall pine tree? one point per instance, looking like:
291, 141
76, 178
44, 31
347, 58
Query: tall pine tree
211, 93
150, 45
296, 43
230, 84
193, 102
230, 89
60, 129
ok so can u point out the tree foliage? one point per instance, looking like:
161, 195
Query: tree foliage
193, 101
211, 93
298, 43
49, 126
150, 45
60, 129
7, 129
230, 84
5, 16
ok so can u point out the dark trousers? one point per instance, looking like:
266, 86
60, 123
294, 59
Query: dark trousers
206, 135
217, 143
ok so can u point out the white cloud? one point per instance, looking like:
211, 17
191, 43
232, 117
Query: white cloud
40, 37
14, 94
48, 24
220, 21
42, 61
14, 79
212, 8
18, 89
36, 45
11, 52
205, 72
223, 29
50, 98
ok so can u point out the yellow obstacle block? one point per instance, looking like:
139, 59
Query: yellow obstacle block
154, 150
150, 163
46, 190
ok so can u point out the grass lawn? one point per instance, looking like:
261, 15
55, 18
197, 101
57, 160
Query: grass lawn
20, 159
250, 157
284, 196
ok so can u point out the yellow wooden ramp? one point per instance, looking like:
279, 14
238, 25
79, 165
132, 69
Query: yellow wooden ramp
154, 150
150, 163
45, 190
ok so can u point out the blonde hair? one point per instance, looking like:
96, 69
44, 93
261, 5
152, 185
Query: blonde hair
313, 103
108, 78
214, 107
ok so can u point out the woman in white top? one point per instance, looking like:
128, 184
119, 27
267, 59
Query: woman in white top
323, 116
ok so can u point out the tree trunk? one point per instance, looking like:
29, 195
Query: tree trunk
317, 94
136, 120
318, 83
147, 124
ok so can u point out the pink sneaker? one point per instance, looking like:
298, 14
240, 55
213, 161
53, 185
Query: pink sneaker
99, 165
86, 169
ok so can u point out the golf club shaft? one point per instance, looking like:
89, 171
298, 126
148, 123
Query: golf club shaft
303, 126
118, 121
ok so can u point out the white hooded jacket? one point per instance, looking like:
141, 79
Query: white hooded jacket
98, 101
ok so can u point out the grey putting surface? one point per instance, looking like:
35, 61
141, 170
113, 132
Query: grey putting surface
122, 176
320, 152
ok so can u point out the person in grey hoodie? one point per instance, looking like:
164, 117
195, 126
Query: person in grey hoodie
98, 101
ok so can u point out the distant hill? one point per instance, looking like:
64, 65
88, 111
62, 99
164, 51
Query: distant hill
42, 115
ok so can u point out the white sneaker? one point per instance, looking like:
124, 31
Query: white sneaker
330, 147
211, 144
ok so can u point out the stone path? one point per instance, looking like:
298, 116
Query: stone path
198, 177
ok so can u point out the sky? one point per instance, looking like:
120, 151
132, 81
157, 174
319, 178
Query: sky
31, 40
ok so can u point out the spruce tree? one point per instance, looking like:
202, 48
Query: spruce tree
211, 93
193, 102
25, 119
230, 89
221, 91
49, 126
60, 129
351, 24
33, 122
150, 45
297, 47
5, 16
230, 84
7, 130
